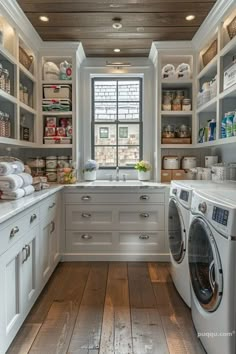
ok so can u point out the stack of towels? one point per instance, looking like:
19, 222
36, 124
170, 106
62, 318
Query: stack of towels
14, 183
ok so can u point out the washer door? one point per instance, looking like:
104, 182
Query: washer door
177, 236
204, 265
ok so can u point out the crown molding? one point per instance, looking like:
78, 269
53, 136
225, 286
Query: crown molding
212, 21
16, 17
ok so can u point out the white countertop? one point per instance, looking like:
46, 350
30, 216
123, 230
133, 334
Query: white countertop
118, 184
10, 208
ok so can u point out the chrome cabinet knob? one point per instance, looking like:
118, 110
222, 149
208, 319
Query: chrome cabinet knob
144, 215
86, 197
86, 215
202, 207
14, 231
52, 205
32, 218
86, 237
144, 197
144, 237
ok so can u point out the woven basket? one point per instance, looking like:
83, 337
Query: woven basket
231, 28
25, 59
210, 53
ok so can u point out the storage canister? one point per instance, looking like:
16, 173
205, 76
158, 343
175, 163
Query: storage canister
171, 163
189, 162
63, 161
51, 162
51, 175
186, 104
211, 160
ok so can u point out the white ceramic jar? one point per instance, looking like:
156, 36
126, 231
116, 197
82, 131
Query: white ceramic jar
171, 163
144, 176
189, 162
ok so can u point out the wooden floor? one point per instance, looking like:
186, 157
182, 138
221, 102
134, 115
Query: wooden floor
106, 308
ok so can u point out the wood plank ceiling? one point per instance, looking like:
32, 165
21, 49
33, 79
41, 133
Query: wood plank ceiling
90, 21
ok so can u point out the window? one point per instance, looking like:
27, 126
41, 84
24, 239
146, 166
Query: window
117, 121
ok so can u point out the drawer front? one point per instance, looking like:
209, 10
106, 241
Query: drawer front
142, 241
17, 227
49, 207
88, 241
141, 217
114, 198
89, 217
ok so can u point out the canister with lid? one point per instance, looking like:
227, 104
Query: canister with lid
51, 175
189, 162
171, 163
51, 162
176, 105
63, 161
186, 104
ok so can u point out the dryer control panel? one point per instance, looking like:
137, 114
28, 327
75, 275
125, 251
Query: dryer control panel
220, 215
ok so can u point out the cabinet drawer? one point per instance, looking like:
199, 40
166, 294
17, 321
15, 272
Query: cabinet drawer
88, 241
49, 207
114, 198
88, 217
16, 228
138, 217
139, 242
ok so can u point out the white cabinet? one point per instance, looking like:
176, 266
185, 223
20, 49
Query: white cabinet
19, 283
115, 225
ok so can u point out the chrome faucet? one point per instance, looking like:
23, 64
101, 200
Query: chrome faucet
117, 174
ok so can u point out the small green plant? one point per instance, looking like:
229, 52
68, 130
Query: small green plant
143, 166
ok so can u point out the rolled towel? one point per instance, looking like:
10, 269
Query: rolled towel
10, 183
8, 168
27, 179
28, 190
17, 194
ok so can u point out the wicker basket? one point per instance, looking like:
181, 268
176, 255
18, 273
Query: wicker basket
231, 28
210, 53
25, 59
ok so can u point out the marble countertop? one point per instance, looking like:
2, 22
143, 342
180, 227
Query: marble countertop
134, 184
11, 208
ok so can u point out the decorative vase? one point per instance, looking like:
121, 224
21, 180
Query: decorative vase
144, 176
90, 175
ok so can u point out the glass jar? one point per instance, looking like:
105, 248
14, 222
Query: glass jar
176, 105
7, 81
180, 94
2, 78
2, 124
166, 106
63, 161
186, 104
7, 125
21, 93
51, 175
168, 131
37, 171
51, 162
34, 162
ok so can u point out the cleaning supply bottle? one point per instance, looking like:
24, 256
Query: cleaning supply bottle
229, 124
223, 126
234, 125
212, 130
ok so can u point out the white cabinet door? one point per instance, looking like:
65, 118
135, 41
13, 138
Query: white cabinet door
29, 281
12, 312
55, 239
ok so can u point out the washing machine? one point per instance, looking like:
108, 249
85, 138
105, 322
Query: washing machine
212, 268
178, 228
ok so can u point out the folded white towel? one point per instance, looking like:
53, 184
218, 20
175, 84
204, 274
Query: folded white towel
17, 194
28, 190
27, 179
7, 168
10, 183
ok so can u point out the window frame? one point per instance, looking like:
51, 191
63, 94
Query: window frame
117, 122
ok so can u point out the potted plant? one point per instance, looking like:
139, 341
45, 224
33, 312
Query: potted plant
89, 170
144, 170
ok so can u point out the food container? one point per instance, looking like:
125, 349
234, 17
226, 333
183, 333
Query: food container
51, 71
180, 94
171, 163
51, 175
37, 162
61, 131
230, 75
166, 106
190, 175
211, 160
189, 162
206, 174
51, 162
186, 104
57, 91
50, 131
60, 175
63, 161
183, 131
51, 122
168, 131
176, 105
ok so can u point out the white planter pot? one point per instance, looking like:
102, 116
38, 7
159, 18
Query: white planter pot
144, 176
90, 175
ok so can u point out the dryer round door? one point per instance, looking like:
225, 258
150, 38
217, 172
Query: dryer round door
204, 265
176, 231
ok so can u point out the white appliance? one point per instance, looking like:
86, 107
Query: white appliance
178, 229
212, 264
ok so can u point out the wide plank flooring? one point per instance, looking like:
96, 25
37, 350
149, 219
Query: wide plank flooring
108, 308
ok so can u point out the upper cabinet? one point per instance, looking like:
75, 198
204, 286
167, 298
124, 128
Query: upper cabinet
18, 89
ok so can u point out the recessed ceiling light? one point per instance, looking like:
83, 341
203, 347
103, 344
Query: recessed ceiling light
190, 17
117, 50
116, 23
44, 18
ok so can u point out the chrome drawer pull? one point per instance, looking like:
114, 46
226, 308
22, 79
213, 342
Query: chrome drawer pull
86, 197
144, 237
86, 215
32, 218
14, 231
86, 237
144, 197
52, 227
52, 205
26, 254
144, 215
28, 251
